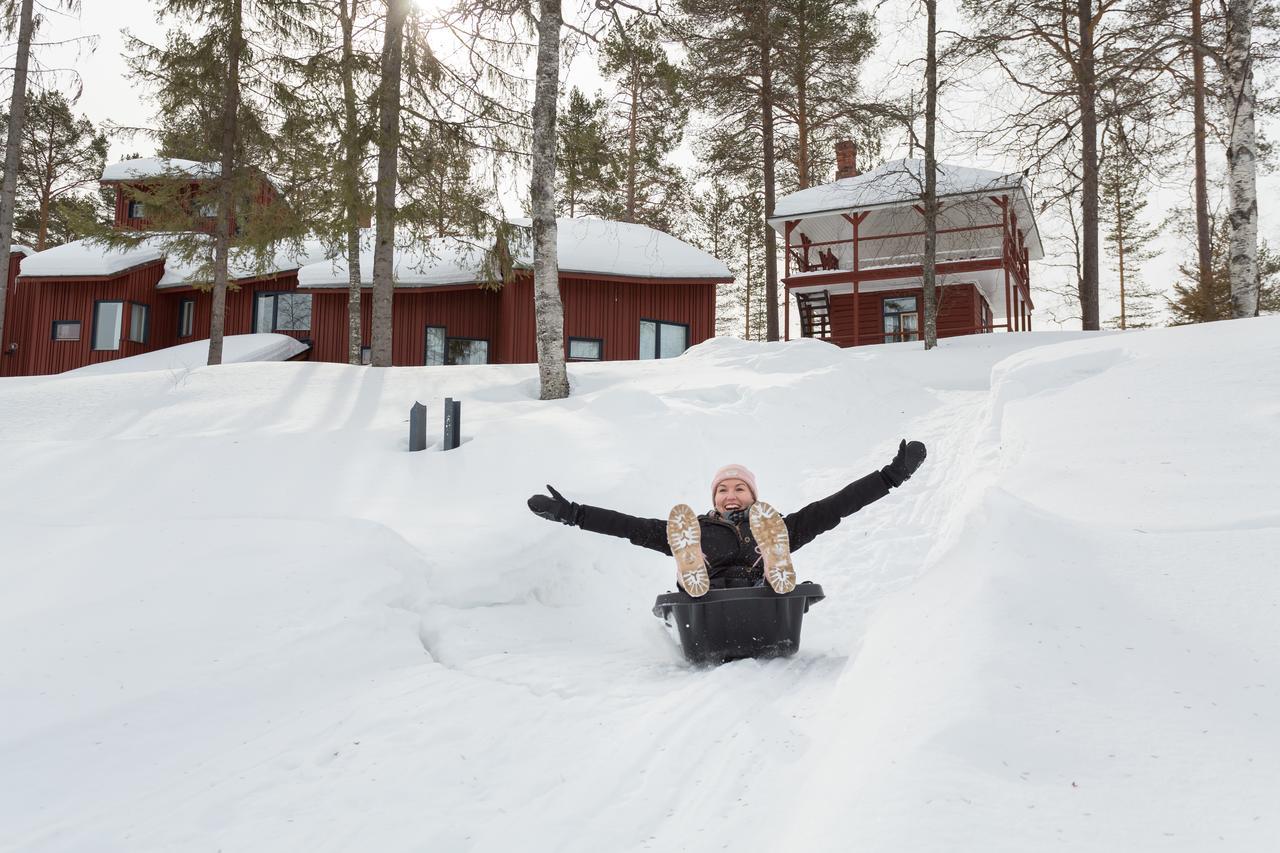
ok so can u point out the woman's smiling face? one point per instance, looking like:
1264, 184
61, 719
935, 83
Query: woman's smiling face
733, 494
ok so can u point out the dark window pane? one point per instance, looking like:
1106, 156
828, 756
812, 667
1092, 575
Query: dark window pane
463, 351
293, 312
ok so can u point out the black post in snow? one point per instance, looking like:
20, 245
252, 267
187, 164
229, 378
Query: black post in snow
418, 427
452, 423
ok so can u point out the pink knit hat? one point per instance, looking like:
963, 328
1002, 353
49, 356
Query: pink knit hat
734, 472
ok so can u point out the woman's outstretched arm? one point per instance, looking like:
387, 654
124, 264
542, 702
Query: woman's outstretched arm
820, 516
645, 532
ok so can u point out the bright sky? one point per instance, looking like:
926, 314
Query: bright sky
109, 95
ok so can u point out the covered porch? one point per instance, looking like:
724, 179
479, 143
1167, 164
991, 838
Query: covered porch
854, 253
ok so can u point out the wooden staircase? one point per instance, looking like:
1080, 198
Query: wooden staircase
815, 314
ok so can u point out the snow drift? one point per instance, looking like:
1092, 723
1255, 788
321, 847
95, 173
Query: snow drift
238, 615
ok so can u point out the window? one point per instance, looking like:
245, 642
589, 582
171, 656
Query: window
186, 318
108, 318
366, 355
66, 330
586, 349
282, 312
901, 319
662, 340
209, 209
466, 351
435, 345
136, 210
138, 317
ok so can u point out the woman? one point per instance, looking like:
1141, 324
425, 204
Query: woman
742, 541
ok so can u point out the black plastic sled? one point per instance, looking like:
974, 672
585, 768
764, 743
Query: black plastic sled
729, 624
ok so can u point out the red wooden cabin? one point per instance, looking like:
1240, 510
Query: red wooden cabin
629, 292
854, 252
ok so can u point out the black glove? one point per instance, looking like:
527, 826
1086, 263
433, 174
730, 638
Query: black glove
910, 456
554, 508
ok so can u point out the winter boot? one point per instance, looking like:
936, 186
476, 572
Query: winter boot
770, 531
684, 535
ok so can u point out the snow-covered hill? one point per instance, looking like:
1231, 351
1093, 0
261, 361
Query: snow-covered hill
238, 615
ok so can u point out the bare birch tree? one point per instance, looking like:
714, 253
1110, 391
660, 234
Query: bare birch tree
385, 190
1242, 159
548, 309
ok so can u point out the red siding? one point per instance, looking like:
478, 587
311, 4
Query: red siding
48, 300
608, 310
593, 309
468, 312
958, 313
14, 312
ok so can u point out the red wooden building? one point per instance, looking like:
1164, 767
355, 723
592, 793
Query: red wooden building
854, 250
628, 292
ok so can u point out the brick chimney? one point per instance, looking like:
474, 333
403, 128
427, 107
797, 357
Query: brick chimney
846, 159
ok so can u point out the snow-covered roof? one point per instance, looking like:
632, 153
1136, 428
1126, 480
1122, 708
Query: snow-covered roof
893, 183
242, 264
152, 167
90, 257
586, 245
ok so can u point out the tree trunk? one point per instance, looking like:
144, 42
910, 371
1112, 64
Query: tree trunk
931, 180
548, 311
1204, 251
385, 203
766, 124
12, 151
46, 191
351, 166
1120, 256
226, 187
633, 147
1242, 162
1089, 165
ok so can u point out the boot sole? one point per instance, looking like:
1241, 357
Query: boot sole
684, 536
770, 531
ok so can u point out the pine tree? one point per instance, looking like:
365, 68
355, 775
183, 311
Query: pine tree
732, 49
330, 106
61, 162
647, 123
1122, 190
582, 154
752, 293
824, 44
711, 218
212, 89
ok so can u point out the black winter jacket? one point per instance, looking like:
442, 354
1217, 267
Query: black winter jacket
730, 548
